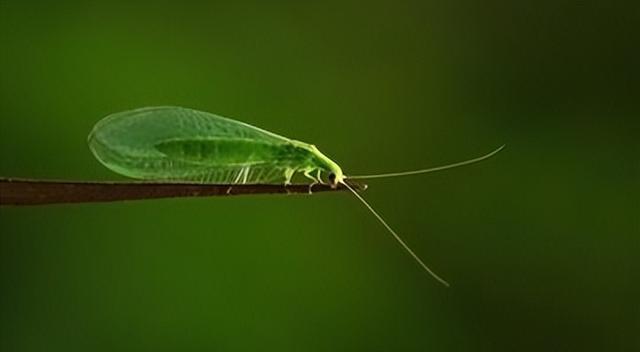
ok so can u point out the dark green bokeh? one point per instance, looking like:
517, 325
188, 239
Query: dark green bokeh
541, 243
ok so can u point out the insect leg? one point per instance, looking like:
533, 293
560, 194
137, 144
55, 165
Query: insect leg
288, 174
246, 174
237, 177
235, 181
307, 174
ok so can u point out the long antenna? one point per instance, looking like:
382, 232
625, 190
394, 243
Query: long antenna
404, 245
438, 168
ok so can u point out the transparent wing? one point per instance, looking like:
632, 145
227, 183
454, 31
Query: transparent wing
166, 143
142, 128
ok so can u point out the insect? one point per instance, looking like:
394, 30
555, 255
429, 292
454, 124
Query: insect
181, 144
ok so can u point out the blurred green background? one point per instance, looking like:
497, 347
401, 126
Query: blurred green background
540, 243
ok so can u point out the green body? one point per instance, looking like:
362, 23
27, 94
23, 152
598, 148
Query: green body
180, 144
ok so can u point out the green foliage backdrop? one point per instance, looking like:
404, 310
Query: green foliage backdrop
540, 243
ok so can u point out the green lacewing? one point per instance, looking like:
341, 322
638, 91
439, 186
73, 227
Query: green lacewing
179, 144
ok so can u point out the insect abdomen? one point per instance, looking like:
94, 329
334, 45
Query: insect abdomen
232, 152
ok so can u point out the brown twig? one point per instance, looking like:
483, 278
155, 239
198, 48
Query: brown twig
38, 192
